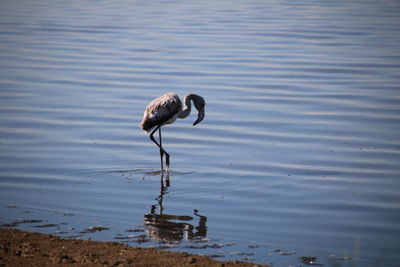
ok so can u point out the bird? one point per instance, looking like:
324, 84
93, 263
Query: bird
165, 110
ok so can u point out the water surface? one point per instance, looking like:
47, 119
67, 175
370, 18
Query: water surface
298, 155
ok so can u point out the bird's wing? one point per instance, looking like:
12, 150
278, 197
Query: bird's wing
160, 111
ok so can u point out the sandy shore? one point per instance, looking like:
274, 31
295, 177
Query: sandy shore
18, 248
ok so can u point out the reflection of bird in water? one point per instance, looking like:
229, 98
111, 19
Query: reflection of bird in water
165, 110
172, 228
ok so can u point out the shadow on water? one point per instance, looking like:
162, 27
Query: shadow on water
168, 228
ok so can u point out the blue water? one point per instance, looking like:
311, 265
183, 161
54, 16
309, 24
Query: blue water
298, 155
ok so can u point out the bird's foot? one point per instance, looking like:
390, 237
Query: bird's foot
167, 161
166, 170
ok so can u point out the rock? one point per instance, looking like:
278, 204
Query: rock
191, 260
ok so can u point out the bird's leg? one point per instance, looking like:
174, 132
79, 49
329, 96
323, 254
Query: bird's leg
167, 160
161, 152
162, 149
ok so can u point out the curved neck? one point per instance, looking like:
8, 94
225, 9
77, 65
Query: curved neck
187, 108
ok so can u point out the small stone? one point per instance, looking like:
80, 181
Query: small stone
308, 260
192, 260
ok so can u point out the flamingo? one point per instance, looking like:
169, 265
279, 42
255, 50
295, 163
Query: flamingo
165, 110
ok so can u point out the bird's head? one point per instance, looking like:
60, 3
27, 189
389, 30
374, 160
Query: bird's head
199, 104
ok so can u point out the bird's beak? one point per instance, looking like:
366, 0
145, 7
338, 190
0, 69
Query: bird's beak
200, 117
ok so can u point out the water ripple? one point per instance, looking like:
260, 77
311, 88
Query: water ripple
298, 151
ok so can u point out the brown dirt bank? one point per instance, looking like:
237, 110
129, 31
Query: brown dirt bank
18, 248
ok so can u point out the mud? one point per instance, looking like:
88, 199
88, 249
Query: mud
18, 248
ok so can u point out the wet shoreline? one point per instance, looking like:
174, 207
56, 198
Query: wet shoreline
19, 248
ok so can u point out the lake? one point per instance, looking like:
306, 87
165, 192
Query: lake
296, 163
